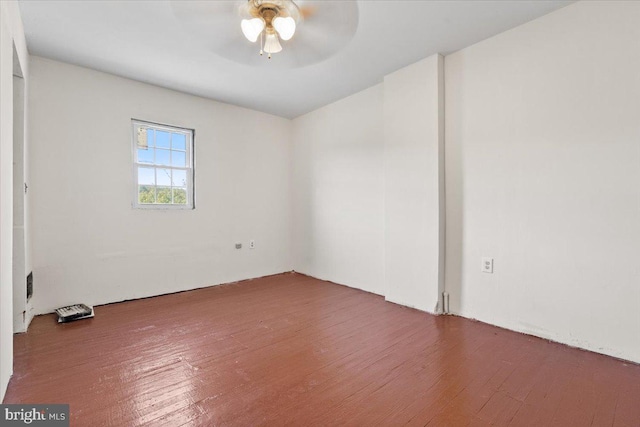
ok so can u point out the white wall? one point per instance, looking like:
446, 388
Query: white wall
90, 245
543, 175
414, 187
338, 192
368, 188
11, 34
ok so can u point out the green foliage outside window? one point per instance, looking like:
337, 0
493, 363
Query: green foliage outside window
147, 194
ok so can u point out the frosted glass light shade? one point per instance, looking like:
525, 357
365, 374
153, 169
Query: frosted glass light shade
251, 28
272, 44
286, 27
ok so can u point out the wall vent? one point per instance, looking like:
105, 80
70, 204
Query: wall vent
29, 286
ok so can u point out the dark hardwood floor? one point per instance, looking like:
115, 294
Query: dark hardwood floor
292, 350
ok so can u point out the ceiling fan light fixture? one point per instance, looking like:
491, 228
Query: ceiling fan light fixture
286, 27
269, 20
251, 28
272, 44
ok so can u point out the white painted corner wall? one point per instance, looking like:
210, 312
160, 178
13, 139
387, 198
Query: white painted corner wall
91, 246
540, 155
543, 175
338, 192
368, 189
414, 145
11, 35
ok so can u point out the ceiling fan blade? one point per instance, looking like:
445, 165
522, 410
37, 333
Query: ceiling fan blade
307, 11
212, 23
328, 28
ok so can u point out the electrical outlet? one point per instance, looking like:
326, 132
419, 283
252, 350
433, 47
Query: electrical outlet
487, 265
238, 245
252, 244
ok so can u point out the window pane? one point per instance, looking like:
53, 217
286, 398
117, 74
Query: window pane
163, 195
163, 162
178, 158
162, 157
150, 142
145, 155
179, 196
146, 194
163, 176
146, 176
178, 141
179, 178
162, 139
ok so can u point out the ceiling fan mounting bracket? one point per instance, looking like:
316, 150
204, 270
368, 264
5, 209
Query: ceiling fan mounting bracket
270, 9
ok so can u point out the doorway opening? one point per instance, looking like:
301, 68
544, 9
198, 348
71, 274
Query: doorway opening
21, 269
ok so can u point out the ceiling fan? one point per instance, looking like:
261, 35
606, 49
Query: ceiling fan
273, 19
305, 31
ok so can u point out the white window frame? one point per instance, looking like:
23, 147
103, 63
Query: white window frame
190, 162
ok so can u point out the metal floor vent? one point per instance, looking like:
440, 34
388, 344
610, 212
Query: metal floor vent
74, 312
29, 286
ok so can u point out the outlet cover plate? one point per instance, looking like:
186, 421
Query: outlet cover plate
487, 265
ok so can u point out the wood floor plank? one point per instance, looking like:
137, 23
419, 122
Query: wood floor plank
292, 350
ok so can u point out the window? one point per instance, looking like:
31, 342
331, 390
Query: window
163, 166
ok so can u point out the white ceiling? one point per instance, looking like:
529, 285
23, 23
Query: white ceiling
151, 41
